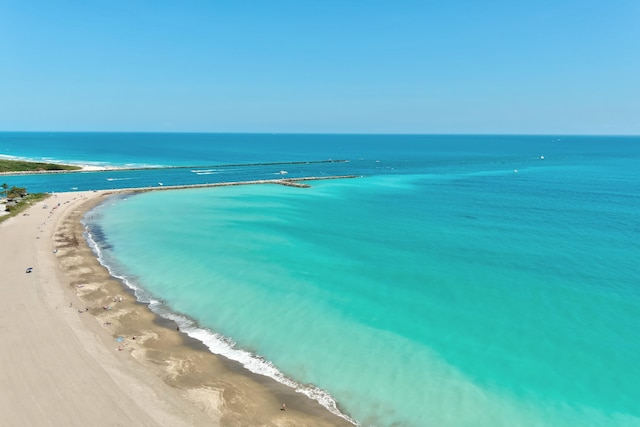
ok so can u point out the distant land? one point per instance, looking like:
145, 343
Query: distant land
23, 166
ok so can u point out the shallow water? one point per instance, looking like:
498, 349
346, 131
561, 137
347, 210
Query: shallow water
443, 288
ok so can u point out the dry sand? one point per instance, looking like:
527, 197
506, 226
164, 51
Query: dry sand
69, 356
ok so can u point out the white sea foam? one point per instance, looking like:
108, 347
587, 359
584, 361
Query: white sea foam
87, 166
140, 293
212, 172
216, 343
225, 346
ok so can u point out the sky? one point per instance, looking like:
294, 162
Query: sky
321, 66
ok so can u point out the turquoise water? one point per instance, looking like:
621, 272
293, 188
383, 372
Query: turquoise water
440, 289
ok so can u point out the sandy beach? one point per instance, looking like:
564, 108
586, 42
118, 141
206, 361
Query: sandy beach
79, 350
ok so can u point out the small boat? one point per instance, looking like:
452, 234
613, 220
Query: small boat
283, 172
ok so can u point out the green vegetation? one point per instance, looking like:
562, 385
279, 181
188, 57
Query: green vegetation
13, 192
24, 202
22, 166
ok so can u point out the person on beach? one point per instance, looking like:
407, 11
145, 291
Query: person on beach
284, 407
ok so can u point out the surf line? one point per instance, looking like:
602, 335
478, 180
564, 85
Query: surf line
142, 168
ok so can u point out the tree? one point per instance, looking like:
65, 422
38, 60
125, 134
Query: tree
4, 189
14, 192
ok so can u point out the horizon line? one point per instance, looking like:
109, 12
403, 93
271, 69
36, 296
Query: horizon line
323, 133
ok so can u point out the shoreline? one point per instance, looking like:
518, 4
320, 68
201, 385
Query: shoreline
109, 168
162, 372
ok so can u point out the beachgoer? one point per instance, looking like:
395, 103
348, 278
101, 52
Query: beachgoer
284, 407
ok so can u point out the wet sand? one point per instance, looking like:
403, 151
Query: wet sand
78, 349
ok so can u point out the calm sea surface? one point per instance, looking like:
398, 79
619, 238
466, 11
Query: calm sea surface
461, 281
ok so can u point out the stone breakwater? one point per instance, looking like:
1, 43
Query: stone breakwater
289, 182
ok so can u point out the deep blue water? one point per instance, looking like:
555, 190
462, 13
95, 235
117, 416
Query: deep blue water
462, 281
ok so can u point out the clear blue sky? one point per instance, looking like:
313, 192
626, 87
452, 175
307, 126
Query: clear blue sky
368, 66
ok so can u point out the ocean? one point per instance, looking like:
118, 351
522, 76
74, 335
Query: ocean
458, 281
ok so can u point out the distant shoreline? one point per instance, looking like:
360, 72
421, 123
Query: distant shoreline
91, 168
